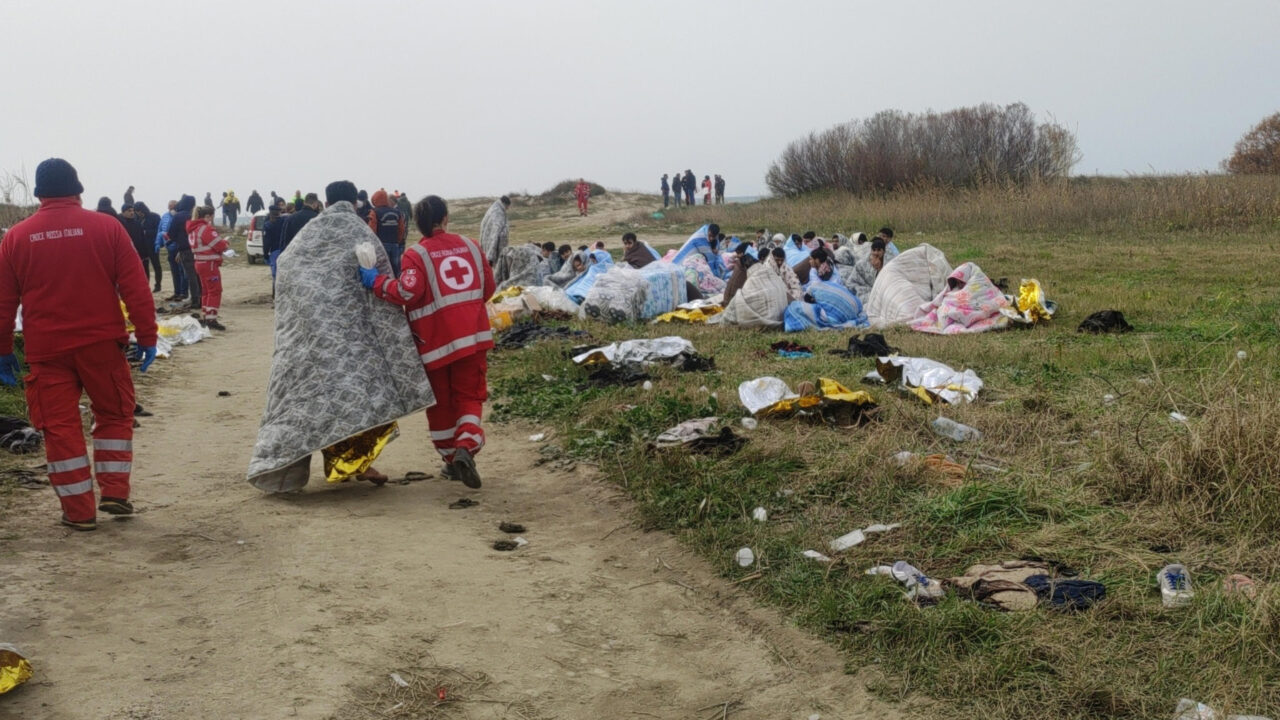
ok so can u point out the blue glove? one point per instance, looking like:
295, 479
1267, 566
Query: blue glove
148, 356
9, 369
368, 276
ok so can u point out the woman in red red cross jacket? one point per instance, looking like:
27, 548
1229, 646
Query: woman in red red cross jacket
444, 284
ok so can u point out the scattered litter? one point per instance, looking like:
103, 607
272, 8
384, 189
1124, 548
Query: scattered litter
1177, 417
1108, 399
760, 515
506, 545
14, 668
1105, 321
1241, 355
949, 428
548, 378
921, 589
511, 528
638, 351
815, 555
750, 423
521, 542
413, 476
1238, 584
395, 677
1189, 709
745, 557
21, 441
685, 432
904, 458
462, 504
930, 380
1175, 586
239, 542
537, 437
857, 537
829, 401
648, 385
27, 479
224, 393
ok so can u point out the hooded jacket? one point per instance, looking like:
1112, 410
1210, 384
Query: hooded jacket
70, 268
178, 225
254, 203
150, 227
386, 221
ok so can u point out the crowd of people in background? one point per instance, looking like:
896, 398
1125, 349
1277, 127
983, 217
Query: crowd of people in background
687, 185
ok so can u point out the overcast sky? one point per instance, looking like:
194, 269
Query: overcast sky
479, 98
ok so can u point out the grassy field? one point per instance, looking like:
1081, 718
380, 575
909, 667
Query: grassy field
1114, 489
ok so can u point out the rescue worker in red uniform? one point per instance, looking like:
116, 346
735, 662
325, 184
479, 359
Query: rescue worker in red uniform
207, 248
69, 268
444, 283
582, 191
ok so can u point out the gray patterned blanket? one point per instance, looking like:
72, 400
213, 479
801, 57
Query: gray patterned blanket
344, 360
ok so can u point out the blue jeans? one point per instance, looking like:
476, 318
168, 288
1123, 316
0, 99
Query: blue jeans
393, 254
175, 272
272, 257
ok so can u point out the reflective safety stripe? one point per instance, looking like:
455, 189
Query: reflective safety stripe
443, 434
112, 467
442, 301
385, 283
479, 439
446, 453
468, 419
59, 466
447, 350
115, 445
80, 488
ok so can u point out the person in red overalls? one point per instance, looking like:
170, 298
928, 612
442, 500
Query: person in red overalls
444, 283
582, 191
706, 189
69, 268
207, 248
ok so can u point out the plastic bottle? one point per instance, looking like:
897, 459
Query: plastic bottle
949, 428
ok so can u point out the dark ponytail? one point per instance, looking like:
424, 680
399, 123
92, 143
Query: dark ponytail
428, 213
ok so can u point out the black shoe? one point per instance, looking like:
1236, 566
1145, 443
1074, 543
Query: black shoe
448, 473
214, 325
465, 468
115, 506
155, 289
81, 525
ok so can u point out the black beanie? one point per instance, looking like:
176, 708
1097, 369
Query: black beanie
56, 178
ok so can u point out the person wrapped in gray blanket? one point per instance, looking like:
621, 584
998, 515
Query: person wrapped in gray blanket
575, 266
495, 233
522, 266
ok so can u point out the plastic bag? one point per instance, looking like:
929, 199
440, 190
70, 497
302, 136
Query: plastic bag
553, 298
930, 380
763, 392
366, 255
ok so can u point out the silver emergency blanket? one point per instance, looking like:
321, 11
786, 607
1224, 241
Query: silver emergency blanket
641, 352
344, 360
494, 232
938, 380
521, 266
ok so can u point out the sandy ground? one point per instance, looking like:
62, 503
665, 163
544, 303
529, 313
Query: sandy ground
217, 601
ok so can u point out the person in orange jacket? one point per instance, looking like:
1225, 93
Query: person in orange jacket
444, 283
389, 225
69, 269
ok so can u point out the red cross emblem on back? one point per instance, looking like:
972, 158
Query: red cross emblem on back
457, 273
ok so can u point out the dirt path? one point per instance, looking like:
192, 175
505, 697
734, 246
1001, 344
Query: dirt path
217, 601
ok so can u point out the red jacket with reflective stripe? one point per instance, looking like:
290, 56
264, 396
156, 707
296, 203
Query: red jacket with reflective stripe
444, 284
70, 268
206, 244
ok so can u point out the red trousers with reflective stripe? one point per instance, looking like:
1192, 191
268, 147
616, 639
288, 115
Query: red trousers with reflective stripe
210, 273
460, 388
53, 400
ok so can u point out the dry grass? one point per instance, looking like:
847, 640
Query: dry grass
430, 692
1110, 206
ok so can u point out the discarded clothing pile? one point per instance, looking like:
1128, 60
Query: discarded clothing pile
527, 333
700, 436
18, 437
1105, 321
788, 349
621, 363
1019, 585
873, 345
